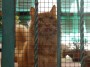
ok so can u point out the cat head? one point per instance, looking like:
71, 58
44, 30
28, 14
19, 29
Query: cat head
47, 22
52, 11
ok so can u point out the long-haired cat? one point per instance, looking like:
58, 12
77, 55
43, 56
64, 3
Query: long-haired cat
47, 41
21, 39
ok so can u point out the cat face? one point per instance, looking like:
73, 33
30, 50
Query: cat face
47, 22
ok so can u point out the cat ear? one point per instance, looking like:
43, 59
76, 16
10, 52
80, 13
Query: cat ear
53, 10
32, 11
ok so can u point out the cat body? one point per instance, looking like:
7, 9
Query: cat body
47, 41
21, 39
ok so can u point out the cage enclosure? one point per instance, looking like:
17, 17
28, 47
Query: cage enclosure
45, 33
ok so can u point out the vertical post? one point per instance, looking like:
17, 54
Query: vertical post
8, 39
82, 31
36, 35
78, 10
58, 33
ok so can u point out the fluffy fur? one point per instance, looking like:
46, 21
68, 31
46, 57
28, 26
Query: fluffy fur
47, 41
21, 39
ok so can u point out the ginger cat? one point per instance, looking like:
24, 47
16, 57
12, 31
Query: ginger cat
21, 39
47, 41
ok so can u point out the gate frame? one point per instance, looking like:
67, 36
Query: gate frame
8, 33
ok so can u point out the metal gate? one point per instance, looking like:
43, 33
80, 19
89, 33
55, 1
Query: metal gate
72, 33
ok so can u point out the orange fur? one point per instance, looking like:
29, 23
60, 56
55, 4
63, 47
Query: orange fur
21, 39
47, 41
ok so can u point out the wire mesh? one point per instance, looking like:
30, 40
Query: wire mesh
74, 33
69, 14
23, 14
22, 24
70, 33
68, 48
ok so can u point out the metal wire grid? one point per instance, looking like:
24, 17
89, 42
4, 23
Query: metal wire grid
22, 22
69, 21
71, 32
21, 8
66, 28
44, 6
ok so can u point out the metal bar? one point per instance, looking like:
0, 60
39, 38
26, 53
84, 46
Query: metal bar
78, 10
36, 35
58, 33
82, 32
8, 35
